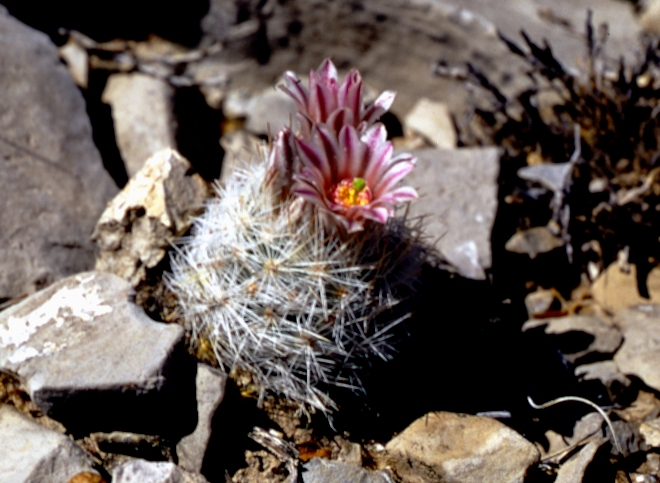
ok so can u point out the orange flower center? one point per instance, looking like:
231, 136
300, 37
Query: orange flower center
351, 192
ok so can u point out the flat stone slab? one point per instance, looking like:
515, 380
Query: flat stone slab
30, 453
88, 355
448, 447
458, 196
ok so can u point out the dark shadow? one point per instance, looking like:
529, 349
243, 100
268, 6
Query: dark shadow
103, 129
169, 411
235, 418
179, 22
199, 128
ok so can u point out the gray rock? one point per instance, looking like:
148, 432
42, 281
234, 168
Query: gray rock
141, 222
142, 115
93, 360
265, 112
458, 194
539, 302
54, 183
191, 450
607, 373
639, 354
141, 471
319, 470
443, 446
607, 339
30, 453
574, 468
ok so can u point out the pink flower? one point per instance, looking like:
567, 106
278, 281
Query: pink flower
352, 177
328, 102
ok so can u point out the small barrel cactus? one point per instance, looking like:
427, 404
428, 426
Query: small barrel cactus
291, 274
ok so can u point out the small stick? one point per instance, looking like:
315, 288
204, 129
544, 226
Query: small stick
585, 401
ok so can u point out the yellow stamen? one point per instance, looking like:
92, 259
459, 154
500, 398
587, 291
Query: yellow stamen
351, 192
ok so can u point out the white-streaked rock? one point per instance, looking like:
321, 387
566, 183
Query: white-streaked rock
88, 356
141, 471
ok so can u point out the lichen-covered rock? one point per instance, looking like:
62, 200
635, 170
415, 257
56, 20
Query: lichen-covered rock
92, 359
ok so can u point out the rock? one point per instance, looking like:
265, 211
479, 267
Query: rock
31, 453
607, 373
142, 114
141, 471
433, 121
650, 17
533, 241
458, 194
606, 338
539, 302
444, 446
616, 289
265, 112
639, 354
140, 224
650, 430
77, 60
574, 468
191, 450
93, 360
319, 470
54, 183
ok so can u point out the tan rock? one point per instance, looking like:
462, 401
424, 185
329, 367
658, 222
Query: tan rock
142, 114
433, 121
155, 207
616, 289
639, 354
533, 241
448, 447
651, 432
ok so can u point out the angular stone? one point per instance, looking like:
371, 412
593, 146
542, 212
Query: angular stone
142, 114
54, 185
616, 289
93, 360
433, 121
141, 471
141, 222
319, 470
30, 453
606, 338
650, 430
458, 195
574, 468
443, 446
191, 450
639, 354
607, 373
533, 241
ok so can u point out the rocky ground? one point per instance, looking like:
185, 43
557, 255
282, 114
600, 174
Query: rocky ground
534, 351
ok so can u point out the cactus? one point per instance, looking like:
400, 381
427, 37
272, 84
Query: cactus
282, 291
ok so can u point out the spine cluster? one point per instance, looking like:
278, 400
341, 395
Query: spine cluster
282, 292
